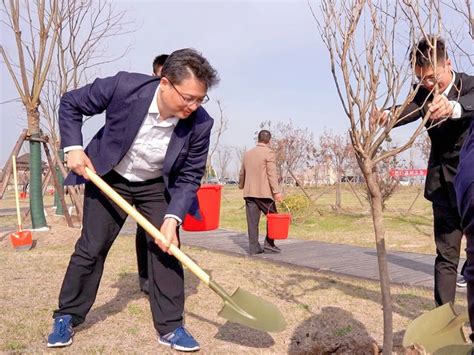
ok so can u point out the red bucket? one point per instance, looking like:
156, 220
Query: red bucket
278, 225
209, 197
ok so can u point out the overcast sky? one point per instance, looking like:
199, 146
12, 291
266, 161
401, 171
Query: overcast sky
271, 60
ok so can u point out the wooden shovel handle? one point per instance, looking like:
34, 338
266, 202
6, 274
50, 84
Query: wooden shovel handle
145, 224
17, 199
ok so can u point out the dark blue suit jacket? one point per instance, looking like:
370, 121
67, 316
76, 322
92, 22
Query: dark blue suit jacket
465, 176
446, 139
125, 98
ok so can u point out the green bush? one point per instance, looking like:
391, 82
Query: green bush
293, 203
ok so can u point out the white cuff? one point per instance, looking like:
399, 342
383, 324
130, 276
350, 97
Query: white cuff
73, 147
457, 110
180, 222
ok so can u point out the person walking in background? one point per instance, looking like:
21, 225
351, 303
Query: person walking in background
448, 97
259, 180
140, 236
158, 63
152, 150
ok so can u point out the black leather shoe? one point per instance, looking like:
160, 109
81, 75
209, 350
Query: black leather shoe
271, 249
256, 252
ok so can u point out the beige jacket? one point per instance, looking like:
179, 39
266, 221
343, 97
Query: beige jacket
258, 175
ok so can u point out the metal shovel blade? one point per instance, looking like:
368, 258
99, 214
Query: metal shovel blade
250, 310
436, 329
455, 350
21, 240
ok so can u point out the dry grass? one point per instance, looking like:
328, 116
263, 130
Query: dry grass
324, 313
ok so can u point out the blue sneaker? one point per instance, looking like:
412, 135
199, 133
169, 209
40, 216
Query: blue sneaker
180, 339
62, 332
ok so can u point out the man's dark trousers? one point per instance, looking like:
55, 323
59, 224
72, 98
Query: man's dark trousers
102, 222
254, 206
142, 256
448, 235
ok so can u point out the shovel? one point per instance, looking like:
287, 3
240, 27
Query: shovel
242, 307
437, 329
21, 240
465, 349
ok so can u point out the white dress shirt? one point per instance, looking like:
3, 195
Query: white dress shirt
144, 160
457, 109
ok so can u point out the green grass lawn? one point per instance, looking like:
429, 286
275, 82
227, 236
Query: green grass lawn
405, 231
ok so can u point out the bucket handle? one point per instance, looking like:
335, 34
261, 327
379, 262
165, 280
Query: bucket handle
284, 204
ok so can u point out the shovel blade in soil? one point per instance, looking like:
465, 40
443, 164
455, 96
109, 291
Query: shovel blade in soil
455, 350
21, 240
436, 329
253, 311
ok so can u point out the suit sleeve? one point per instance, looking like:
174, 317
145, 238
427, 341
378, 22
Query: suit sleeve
89, 100
466, 100
272, 173
183, 192
414, 109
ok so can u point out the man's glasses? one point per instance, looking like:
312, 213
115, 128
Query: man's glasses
189, 100
432, 79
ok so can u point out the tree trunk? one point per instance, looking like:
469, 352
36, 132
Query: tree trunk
377, 218
59, 174
338, 192
38, 219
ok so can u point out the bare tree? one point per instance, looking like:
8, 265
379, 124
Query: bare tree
35, 27
84, 29
217, 133
294, 147
367, 43
337, 150
423, 145
240, 153
388, 184
463, 13
224, 158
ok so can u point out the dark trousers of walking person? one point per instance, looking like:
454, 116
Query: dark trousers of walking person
448, 235
102, 222
254, 207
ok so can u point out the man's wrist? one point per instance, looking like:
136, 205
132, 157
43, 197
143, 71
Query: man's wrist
456, 110
73, 147
174, 217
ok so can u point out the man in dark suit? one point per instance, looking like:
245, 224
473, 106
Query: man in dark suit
158, 63
152, 150
140, 237
464, 185
447, 97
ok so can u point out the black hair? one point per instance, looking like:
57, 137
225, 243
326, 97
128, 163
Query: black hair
423, 53
158, 62
264, 136
187, 62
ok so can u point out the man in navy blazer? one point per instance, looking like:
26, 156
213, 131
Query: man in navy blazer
152, 150
464, 185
